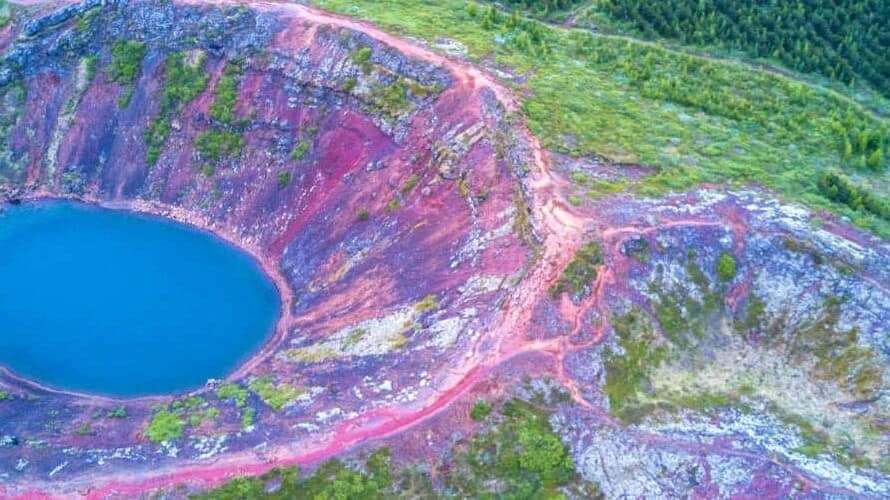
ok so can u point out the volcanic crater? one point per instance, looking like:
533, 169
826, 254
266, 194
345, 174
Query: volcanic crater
427, 251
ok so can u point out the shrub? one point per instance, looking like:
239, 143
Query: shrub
217, 144
119, 412
363, 215
393, 98
839, 189
481, 409
164, 426
580, 272
299, 150
276, 396
726, 267
226, 94
283, 179
410, 183
362, 55
233, 391
126, 58
429, 303
184, 82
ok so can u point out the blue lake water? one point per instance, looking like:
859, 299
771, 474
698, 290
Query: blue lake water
122, 304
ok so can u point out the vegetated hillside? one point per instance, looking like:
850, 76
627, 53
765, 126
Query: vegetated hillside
693, 119
549, 10
846, 40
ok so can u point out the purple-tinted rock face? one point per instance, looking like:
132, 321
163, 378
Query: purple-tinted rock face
366, 179
420, 239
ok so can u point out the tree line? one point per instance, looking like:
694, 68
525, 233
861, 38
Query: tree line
845, 40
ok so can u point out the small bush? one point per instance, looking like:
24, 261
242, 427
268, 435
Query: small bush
126, 58
839, 189
164, 426
283, 179
89, 63
481, 409
410, 183
362, 55
125, 98
429, 303
184, 82
226, 94
276, 396
363, 215
580, 272
119, 412
348, 85
233, 391
299, 150
215, 145
726, 267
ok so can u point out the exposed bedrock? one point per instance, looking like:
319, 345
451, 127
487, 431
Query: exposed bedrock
745, 350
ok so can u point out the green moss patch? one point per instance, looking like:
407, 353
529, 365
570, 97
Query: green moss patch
274, 395
580, 272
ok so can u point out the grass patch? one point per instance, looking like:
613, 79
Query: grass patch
226, 94
481, 409
119, 412
233, 392
625, 373
333, 479
517, 456
274, 395
214, 145
299, 150
410, 184
126, 59
429, 303
580, 272
165, 426
185, 80
284, 179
